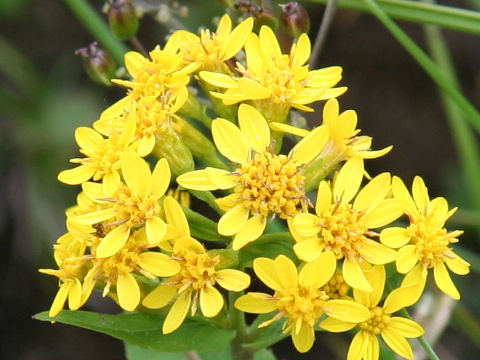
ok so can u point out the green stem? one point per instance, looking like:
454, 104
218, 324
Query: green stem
425, 344
444, 16
97, 27
464, 138
472, 115
237, 321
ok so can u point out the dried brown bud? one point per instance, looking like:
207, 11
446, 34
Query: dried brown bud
295, 18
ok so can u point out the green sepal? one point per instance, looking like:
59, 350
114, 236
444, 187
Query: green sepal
266, 336
202, 227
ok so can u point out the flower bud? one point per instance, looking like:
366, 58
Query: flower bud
98, 64
295, 18
122, 19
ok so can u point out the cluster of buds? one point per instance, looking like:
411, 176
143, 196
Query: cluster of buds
342, 244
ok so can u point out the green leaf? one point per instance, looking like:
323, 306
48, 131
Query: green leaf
269, 245
266, 336
135, 352
202, 227
264, 354
145, 330
445, 16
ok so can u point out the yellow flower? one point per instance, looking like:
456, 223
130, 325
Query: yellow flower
393, 329
264, 183
117, 270
197, 278
68, 254
344, 140
298, 297
424, 244
344, 227
133, 204
102, 159
273, 81
211, 50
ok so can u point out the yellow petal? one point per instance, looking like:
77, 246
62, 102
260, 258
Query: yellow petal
308, 249
345, 125
269, 42
211, 301
311, 145
94, 191
300, 53
346, 310
110, 183
354, 276
376, 278
175, 216
444, 281
303, 340
77, 175
397, 343
177, 312
394, 237
253, 89
288, 129
128, 292
136, 173
420, 194
218, 80
134, 62
348, 180
330, 113
236, 39
400, 191
334, 325
75, 295
223, 132
359, 346
196, 180
265, 270
376, 253
88, 139
155, 229
386, 212
256, 303
405, 327
318, 272
233, 280
158, 264
457, 265
160, 178
286, 267
60, 298
233, 220
373, 193
146, 145
252, 230
324, 198
159, 297
227, 202
306, 225
113, 242
406, 258
221, 178
254, 126
94, 217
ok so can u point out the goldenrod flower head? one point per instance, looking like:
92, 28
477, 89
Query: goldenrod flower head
68, 254
344, 139
275, 79
336, 287
342, 226
298, 297
424, 244
393, 329
103, 156
197, 277
211, 50
263, 184
117, 270
134, 203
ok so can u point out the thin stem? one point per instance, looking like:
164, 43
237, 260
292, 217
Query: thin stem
237, 321
97, 27
138, 45
425, 344
322, 31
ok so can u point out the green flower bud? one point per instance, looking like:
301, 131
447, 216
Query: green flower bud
98, 64
262, 15
295, 18
122, 19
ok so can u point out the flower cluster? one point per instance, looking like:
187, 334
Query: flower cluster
343, 244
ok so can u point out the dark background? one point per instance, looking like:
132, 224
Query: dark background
45, 95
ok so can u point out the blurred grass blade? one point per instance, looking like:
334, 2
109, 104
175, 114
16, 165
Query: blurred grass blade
98, 28
443, 16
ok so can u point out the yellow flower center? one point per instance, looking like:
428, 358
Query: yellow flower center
152, 116
378, 321
123, 262
431, 241
343, 230
197, 270
269, 184
336, 288
105, 158
132, 209
303, 303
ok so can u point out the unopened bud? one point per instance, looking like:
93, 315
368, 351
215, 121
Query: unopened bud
98, 64
261, 14
122, 19
295, 18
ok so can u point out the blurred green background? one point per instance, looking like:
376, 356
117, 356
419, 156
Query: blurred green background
45, 94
